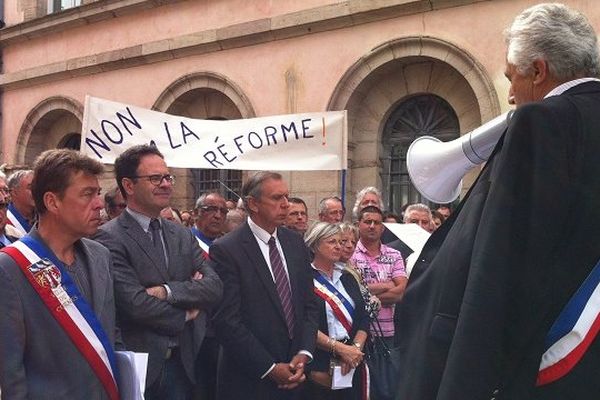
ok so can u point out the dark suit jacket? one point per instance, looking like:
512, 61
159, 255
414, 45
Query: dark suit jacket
147, 323
37, 358
493, 278
250, 323
360, 319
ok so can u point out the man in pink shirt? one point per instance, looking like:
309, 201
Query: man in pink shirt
382, 268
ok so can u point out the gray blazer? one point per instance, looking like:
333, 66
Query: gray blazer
149, 324
37, 358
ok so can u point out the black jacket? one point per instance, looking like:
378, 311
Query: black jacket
491, 281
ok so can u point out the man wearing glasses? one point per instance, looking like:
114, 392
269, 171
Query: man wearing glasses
211, 210
163, 286
114, 202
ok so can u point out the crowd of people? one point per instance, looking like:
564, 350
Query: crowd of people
181, 281
253, 299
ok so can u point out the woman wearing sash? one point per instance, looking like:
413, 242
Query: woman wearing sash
343, 321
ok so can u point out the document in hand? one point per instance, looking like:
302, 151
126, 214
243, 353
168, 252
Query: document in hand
132, 374
340, 381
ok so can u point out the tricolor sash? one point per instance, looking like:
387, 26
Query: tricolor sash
573, 331
202, 244
48, 277
17, 220
342, 309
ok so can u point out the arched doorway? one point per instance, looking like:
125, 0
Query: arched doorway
51, 124
377, 84
206, 95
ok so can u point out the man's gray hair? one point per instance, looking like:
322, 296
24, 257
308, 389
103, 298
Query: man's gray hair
323, 203
15, 178
416, 207
557, 34
202, 198
359, 198
319, 231
253, 186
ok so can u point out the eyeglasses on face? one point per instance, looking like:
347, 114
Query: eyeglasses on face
335, 212
214, 209
333, 242
157, 179
297, 214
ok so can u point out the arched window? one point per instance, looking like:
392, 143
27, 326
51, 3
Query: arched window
418, 115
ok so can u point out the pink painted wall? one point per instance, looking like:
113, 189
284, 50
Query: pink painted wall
319, 60
150, 25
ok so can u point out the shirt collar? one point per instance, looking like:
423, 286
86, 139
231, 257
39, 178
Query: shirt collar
141, 219
260, 233
560, 89
361, 247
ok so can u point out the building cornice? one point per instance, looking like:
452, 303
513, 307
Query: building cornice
320, 19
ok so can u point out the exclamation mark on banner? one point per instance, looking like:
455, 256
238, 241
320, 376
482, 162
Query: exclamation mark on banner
324, 138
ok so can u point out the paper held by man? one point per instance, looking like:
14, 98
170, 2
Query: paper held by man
131, 374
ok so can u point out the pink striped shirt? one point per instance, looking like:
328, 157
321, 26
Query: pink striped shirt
383, 268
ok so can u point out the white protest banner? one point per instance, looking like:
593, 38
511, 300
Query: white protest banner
294, 142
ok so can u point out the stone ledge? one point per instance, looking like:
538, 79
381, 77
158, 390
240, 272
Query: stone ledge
74, 17
319, 19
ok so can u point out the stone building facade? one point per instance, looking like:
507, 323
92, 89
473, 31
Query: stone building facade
402, 68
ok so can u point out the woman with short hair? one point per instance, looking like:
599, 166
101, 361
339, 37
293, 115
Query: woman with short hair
343, 321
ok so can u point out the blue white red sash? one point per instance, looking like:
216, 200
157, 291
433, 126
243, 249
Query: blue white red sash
48, 277
342, 309
204, 246
17, 220
572, 333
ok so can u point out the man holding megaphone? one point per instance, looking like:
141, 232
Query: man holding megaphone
502, 302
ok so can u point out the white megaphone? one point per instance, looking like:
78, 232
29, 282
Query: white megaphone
436, 168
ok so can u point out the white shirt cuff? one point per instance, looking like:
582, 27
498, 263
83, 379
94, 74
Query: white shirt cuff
169, 293
268, 372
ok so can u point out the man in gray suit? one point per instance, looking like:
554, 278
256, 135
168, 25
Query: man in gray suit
41, 357
163, 285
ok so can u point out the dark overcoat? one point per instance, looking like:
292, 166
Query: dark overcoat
494, 277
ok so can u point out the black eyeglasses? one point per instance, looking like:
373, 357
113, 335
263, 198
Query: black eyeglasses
156, 179
214, 209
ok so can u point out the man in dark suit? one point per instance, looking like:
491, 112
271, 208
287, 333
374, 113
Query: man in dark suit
162, 282
38, 355
492, 280
267, 321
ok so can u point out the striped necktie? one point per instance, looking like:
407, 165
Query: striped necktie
283, 286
